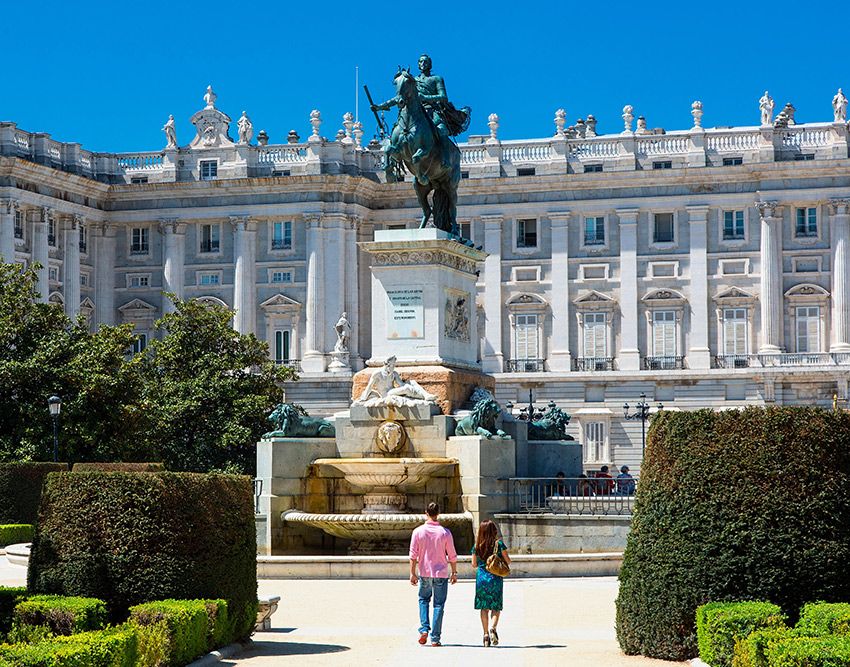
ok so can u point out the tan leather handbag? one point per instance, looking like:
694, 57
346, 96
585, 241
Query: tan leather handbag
496, 564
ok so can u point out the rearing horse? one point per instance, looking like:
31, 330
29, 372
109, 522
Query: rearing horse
416, 143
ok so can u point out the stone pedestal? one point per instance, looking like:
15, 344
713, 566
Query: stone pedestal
484, 466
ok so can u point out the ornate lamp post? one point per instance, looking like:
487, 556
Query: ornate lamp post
55, 405
531, 412
642, 413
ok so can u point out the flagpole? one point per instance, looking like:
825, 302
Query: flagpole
356, 91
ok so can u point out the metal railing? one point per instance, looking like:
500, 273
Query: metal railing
593, 364
663, 363
733, 360
601, 496
525, 365
258, 491
294, 364
280, 244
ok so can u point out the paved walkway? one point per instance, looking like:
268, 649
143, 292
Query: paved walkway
342, 622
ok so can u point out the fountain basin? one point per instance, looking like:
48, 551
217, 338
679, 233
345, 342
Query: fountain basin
375, 533
386, 475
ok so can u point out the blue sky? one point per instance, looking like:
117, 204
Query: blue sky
108, 74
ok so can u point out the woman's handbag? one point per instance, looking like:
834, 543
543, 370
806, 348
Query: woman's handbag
496, 564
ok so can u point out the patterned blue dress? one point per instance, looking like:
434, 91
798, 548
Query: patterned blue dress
488, 587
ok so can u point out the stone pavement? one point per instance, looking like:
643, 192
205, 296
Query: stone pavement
344, 622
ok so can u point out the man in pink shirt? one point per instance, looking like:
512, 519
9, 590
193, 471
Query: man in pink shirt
433, 549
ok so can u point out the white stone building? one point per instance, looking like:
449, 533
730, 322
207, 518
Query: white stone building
706, 267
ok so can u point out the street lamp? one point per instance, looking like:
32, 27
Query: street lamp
55, 405
642, 413
532, 412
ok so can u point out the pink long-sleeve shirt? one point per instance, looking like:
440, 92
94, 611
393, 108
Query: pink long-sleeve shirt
433, 547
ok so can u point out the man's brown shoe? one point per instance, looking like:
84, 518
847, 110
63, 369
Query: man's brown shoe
423, 638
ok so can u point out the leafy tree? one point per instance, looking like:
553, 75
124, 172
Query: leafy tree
207, 390
43, 352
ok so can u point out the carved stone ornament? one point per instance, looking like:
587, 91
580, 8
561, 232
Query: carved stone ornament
457, 316
212, 126
390, 437
415, 257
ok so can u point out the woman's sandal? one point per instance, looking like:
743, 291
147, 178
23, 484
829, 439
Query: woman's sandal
495, 636
486, 640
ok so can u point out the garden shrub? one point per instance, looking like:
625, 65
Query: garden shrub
824, 618
829, 651
171, 632
749, 504
119, 467
9, 599
15, 533
61, 615
114, 647
128, 539
751, 651
20, 489
721, 624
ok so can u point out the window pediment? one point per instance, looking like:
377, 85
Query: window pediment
526, 302
280, 303
137, 306
211, 300
664, 298
593, 300
807, 291
734, 296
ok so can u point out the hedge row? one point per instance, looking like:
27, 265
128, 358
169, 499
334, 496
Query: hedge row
129, 539
720, 625
20, 489
119, 467
115, 647
9, 599
15, 533
734, 505
60, 615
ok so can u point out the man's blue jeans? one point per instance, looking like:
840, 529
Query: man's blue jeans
439, 588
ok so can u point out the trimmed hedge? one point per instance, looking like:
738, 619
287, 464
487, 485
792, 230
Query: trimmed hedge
15, 533
809, 652
119, 467
171, 632
721, 624
61, 615
823, 618
115, 647
128, 539
9, 599
747, 504
751, 652
20, 489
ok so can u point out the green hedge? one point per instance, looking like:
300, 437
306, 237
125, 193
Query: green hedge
128, 539
119, 467
752, 651
721, 624
823, 618
61, 615
15, 533
9, 599
115, 647
828, 651
175, 632
20, 489
734, 505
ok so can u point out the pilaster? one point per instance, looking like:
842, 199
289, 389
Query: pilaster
629, 355
493, 357
559, 355
313, 360
7, 230
840, 235
244, 282
72, 266
104, 287
699, 353
40, 250
352, 290
771, 278
173, 259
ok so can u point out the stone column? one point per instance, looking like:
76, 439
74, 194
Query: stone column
629, 356
7, 230
40, 251
840, 235
559, 355
352, 281
314, 359
493, 357
245, 279
104, 286
771, 278
333, 278
699, 353
72, 266
173, 258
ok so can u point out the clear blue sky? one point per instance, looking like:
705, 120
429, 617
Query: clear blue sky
108, 74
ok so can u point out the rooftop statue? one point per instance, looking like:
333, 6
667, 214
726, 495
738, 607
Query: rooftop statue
386, 388
766, 105
209, 98
839, 107
290, 421
170, 132
421, 141
246, 129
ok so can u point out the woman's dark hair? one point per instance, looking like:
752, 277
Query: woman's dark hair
485, 541
433, 510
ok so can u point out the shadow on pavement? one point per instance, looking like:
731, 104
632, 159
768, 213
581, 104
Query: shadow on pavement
503, 646
275, 648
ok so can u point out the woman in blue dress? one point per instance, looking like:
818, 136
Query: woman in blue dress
488, 587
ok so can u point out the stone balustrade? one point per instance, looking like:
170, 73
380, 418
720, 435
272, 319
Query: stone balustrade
482, 156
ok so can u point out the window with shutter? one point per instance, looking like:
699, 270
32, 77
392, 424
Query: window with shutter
664, 333
594, 438
281, 345
808, 329
595, 335
526, 336
735, 331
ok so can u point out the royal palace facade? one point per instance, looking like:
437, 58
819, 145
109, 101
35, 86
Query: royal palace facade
706, 267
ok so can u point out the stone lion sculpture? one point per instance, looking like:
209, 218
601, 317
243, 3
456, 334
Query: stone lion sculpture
553, 426
482, 421
289, 422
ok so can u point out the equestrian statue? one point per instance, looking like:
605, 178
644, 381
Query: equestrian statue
421, 141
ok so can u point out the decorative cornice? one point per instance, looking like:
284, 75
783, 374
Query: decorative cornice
423, 257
